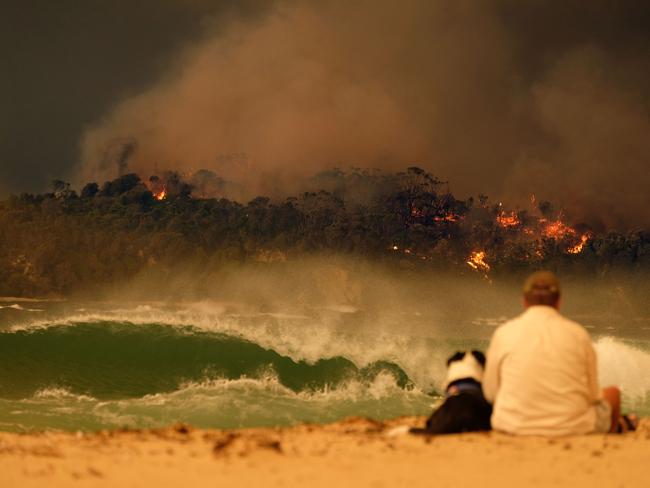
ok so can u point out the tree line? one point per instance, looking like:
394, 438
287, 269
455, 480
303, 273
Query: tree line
63, 241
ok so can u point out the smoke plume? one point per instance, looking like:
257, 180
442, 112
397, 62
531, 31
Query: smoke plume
500, 97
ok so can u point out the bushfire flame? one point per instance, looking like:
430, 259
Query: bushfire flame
447, 218
477, 261
508, 219
557, 230
577, 249
528, 230
161, 195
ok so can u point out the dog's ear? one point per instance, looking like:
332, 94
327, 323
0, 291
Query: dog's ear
458, 356
480, 357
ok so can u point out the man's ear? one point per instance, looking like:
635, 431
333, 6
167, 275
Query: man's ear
458, 356
480, 357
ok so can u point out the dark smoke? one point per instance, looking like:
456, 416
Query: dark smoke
64, 64
502, 97
117, 155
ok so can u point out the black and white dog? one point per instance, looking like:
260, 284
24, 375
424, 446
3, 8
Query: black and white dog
465, 409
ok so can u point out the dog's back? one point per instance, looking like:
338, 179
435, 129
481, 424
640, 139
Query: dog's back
465, 409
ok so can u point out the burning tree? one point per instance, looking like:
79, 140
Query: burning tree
169, 184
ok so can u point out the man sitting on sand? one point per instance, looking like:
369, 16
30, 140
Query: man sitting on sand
541, 373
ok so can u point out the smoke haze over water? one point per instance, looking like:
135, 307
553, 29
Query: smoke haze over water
501, 97
313, 340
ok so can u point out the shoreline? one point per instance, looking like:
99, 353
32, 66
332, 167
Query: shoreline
350, 452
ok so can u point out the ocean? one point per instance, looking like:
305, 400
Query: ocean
133, 364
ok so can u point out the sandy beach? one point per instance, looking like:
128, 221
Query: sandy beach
352, 452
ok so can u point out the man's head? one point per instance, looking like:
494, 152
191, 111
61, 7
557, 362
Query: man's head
542, 288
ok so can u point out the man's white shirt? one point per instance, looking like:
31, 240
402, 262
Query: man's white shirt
541, 375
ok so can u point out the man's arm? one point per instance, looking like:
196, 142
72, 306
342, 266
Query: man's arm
491, 375
595, 393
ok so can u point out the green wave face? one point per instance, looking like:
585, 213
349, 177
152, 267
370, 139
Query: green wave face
90, 376
122, 360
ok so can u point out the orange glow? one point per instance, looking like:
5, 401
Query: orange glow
557, 230
577, 249
161, 195
508, 220
477, 261
447, 218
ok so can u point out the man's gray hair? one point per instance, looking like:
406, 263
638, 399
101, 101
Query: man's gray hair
542, 288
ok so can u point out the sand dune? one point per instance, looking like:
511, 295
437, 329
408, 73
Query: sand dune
353, 452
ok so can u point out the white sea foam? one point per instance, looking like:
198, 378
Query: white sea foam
16, 306
221, 403
625, 366
57, 393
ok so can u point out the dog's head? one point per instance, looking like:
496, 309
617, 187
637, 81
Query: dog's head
464, 365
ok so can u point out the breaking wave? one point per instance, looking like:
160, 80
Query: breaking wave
106, 374
110, 360
212, 368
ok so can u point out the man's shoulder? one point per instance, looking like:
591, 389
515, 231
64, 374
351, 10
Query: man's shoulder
508, 327
514, 322
522, 321
576, 328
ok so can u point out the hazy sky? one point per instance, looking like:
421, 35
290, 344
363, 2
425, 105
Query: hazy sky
64, 63
502, 97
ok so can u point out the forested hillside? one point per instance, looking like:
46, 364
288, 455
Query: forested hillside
60, 242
